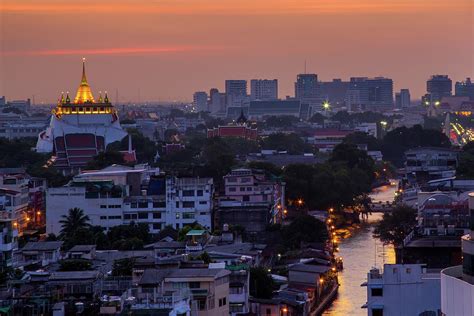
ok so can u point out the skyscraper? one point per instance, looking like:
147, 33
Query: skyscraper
380, 92
334, 91
437, 87
464, 89
200, 101
236, 92
402, 99
306, 87
263, 89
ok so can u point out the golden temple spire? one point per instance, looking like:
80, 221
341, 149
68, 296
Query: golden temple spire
84, 93
100, 97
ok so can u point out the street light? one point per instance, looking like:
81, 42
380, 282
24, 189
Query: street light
326, 105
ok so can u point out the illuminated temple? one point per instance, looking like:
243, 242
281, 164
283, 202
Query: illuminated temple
80, 128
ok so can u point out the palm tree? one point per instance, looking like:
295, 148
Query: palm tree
73, 221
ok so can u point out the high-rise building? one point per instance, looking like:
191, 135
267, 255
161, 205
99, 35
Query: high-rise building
465, 89
217, 101
437, 87
306, 87
2, 101
263, 89
373, 92
334, 91
200, 101
380, 92
236, 92
402, 99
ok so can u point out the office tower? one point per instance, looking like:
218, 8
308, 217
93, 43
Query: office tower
216, 101
2, 101
334, 91
306, 86
236, 92
405, 98
200, 101
263, 89
402, 99
380, 92
465, 89
437, 87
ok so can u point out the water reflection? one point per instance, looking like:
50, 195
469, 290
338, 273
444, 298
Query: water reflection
360, 253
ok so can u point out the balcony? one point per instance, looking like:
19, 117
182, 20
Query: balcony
199, 292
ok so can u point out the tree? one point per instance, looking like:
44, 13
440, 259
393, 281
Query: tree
73, 221
465, 168
317, 118
105, 159
286, 142
261, 283
304, 228
75, 265
123, 267
395, 226
183, 231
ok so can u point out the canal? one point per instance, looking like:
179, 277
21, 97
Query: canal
360, 253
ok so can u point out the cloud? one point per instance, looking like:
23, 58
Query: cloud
112, 51
231, 7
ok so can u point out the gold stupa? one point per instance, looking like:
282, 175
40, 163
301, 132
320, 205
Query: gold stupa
84, 93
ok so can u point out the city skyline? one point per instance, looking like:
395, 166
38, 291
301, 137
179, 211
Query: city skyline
138, 48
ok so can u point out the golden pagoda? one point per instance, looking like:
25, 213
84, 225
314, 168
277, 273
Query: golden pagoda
84, 93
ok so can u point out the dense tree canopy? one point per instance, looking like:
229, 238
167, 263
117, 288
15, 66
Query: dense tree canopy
292, 143
303, 228
261, 283
465, 169
395, 226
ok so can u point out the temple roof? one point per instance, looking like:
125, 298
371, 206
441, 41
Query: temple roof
84, 93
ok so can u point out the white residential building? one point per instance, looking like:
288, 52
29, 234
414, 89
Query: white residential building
120, 195
457, 283
403, 289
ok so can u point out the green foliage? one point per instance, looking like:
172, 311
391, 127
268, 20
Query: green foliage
399, 140
280, 121
368, 117
92, 235
123, 267
217, 157
128, 235
204, 257
286, 142
105, 159
73, 221
357, 138
261, 283
144, 147
75, 265
183, 231
132, 243
465, 168
304, 228
395, 226
168, 231
270, 169
317, 118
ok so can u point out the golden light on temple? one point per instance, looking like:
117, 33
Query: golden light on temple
84, 93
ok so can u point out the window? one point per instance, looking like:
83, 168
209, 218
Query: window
242, 189
159, 204
126, 216
133, 205
115, 217
246, 198
249, 189
188, 215
143, 215
376, 292
188, 192
224, 301
188, 204
103, 206
177, 225
408, 270
103, 217
143, 204
232, 189
231, 179
157, 226
200, 192
194, 285
202, 202
178, 216
245, 180
177, 204
377, 312
156, 215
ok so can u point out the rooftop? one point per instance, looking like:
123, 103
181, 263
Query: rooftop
42, 246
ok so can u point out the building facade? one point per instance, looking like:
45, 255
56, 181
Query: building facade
403, 289
200, 102
263, 89
464, 89
80, 128
121, 195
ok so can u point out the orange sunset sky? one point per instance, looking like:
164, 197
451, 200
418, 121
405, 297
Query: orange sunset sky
167, 49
